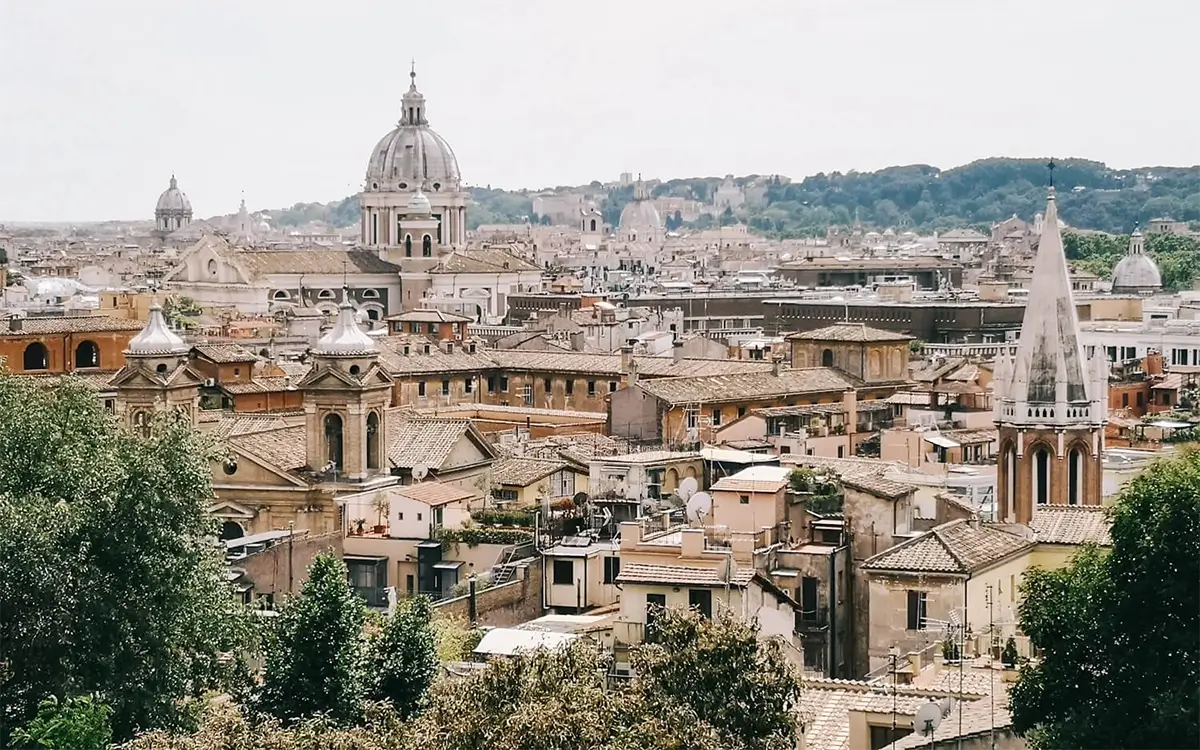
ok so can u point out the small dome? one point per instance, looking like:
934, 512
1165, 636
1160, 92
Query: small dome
1136, 273
419, 203
173, 199
156, 339
640, 215
345, 339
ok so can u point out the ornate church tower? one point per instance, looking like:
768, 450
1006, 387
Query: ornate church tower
1051, 401
156, 376
346, 399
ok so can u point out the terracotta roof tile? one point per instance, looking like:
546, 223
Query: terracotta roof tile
521, 472
1071, 524
855, 332
486, 260
283, 448
747, 385
681, 575
71, 324
425, 441
434, 494
225, 353
956, 547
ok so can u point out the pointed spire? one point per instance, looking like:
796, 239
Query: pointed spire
345, 339
1049, 366
156, 339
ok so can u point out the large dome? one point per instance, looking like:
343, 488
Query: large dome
173, 199
412, 155
640, 215
1136, 274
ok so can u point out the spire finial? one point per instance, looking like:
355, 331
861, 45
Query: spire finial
1050, 167
173, 184
412, 71
345, 279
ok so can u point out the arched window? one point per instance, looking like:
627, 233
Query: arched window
827, 358
593, 225
1010, 480
426, 246
36, 357
370, 294
333, 440
372, 314
373, 440
281, 294
408, 246
87, 354
1041, 475
1075, 476
142, 422
232, 530
326, 294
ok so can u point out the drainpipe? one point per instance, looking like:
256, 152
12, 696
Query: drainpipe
831, 646
471, 610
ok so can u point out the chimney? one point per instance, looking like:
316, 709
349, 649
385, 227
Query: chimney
678, 351
691, 543
15, 323
626, 358
777, 366
577, 341
850, 407
631, 534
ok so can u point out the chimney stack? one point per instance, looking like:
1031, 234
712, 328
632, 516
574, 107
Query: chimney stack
678, 351
777, 366
15, 323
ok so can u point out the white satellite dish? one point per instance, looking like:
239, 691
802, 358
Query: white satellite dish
687, 488
420, 471
929, 715
699, 506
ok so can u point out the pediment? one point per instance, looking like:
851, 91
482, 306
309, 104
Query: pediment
232, 510
337, 379
253, 471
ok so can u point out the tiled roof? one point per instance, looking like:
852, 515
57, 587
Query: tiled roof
747, 385
97, 381
521, 472
955, 547
855, 332
283, 448
487, 260
259, 385
436, 362
681, 575
232, 425
225, 353
733, 484
72, 324
1071, 524
878, 486
428, 316
259, 263
424, 440
434, 493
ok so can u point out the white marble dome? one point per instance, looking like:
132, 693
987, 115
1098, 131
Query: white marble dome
412, 155
1136, 274
173, 199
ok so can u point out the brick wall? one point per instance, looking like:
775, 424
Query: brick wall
505, 605
269, 569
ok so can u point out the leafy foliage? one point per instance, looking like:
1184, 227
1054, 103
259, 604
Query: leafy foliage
316, 651
74, 724
405, 657
110, 579
1121, 631
1177, 256
494, 516
456, 639
475, 536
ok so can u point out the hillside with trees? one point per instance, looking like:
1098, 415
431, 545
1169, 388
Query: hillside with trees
1091, 196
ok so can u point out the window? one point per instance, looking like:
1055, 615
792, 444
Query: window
326, 294
333, 440
917, 610
744, 499
468, 385
373, 457
808, 598
1075, 476
1041, 475
445, 387
591, 388
87, 354
1140, 399
504, 494
612, 569
409, 587
570, 386
827, 358
421, 389
741, 412
408, 245
841, 451
564, 572
612, 386
701, 601
36, 357
491, 383
426, 246
1124, 399
691, 415
547, 384
420, 517
504, 383
883, 736
656, 605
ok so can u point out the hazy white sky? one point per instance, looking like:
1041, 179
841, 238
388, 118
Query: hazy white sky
101, 101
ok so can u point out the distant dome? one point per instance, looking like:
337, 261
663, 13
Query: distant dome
640, 215
1136, 274
173, 199
157, 338
412, 154
345, 339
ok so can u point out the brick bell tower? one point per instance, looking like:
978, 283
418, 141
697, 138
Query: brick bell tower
1051, 401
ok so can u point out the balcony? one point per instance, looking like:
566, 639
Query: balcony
814, 619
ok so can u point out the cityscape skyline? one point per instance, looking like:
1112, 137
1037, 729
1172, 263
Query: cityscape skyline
97, 134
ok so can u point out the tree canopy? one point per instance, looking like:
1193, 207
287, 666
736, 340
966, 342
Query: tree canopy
1120, 631
1177, 256
111, 582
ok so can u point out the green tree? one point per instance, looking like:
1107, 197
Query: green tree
74, 724
1120, 631
110, 578
405, 657
315, 650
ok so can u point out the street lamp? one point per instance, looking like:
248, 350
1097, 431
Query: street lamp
893, 654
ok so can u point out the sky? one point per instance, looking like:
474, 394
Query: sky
283, 100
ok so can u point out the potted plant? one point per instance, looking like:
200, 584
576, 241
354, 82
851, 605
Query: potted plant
359, 523
1009, 659
950, 651
381, 506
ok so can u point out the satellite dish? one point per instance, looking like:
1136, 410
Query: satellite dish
687, 488
699, 506
580, 499
928, 717
420, 471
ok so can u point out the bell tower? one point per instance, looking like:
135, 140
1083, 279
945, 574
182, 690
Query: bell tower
346, 400
1051, 401
156, 376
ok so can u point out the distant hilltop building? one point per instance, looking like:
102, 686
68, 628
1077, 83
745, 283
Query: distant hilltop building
173, 210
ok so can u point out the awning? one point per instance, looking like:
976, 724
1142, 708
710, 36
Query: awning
1169, 424
448, 565
941, 441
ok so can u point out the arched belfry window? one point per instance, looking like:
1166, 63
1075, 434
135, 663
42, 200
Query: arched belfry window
373, 458
426, 246
408, 245
1041, 475
1010, 479
1075, 476
593, 225
333, 440
87, 354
